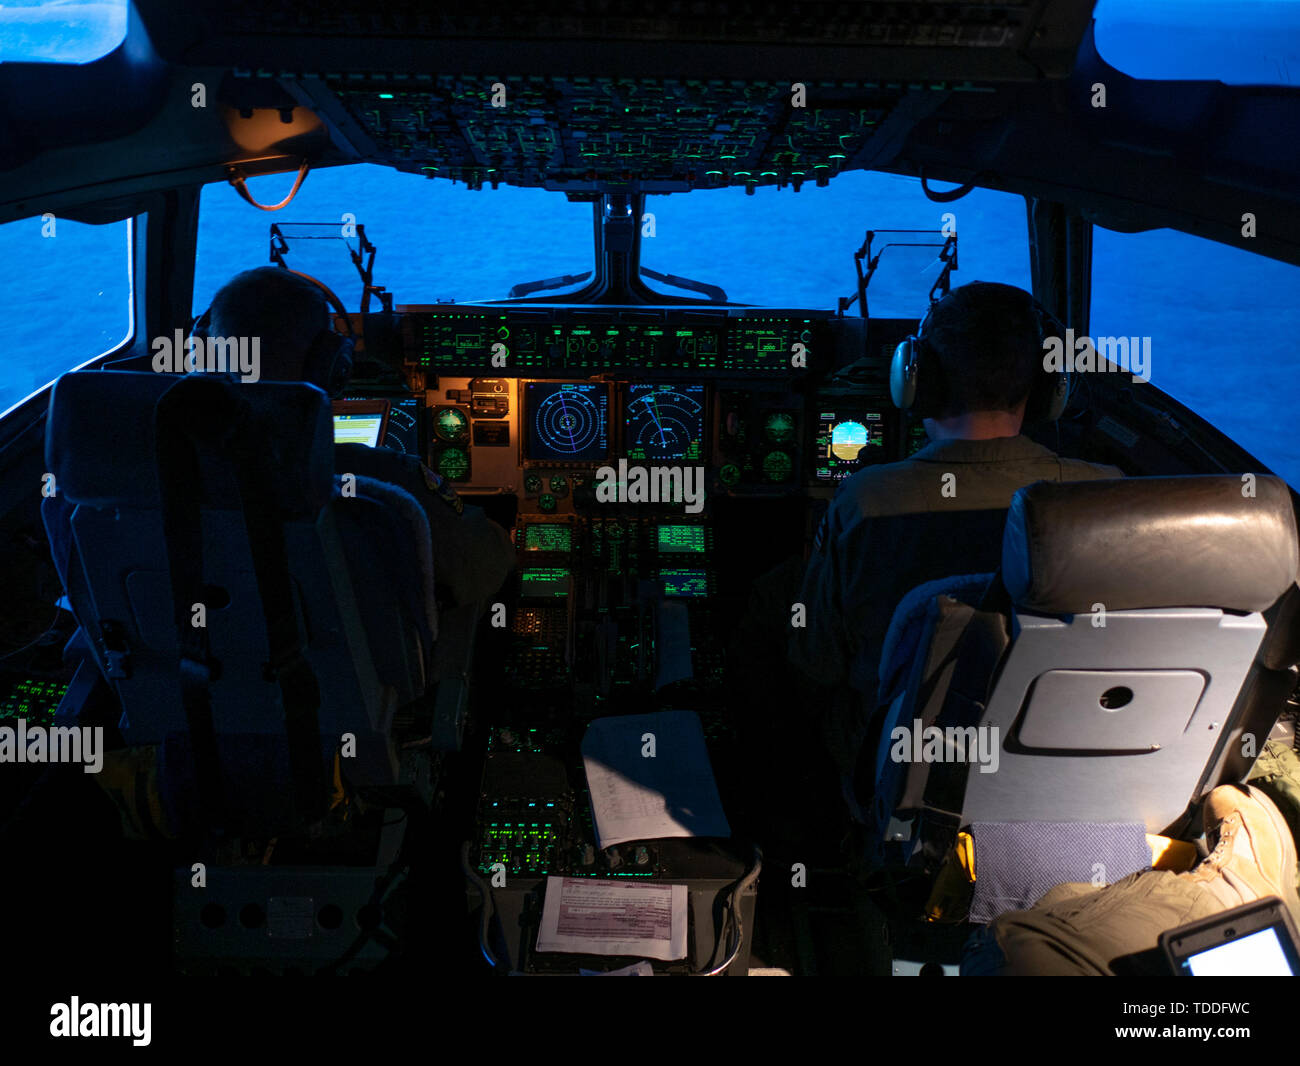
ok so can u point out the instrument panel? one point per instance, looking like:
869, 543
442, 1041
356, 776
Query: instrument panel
565, 340
734, 401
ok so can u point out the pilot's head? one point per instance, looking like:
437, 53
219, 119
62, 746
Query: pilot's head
987, 341
291, 317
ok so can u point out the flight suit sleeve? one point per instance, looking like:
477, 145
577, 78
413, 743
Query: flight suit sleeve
471, 554
820, 648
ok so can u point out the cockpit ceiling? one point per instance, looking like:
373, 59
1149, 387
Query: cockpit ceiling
581, 134
1015, 39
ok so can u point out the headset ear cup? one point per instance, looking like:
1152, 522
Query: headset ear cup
1051, 391
1058, 395
341, 369
329, 362
902, 374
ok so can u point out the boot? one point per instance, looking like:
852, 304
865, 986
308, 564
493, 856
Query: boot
1254, 853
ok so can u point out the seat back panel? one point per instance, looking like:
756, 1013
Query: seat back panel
1130, 779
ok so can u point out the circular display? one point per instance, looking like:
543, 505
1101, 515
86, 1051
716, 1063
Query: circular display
533, 483
729, 474
401, 428
847, 439
666, 424
546, 502
558, 485
453, 464
568, 422
779, 427
777, 467
450, 424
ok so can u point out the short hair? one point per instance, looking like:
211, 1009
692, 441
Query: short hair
283, 309
988, 340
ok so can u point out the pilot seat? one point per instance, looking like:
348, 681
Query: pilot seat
1061, 720
270, 632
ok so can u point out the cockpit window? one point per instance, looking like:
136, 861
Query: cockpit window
60, 31
435, 242
1198, 40
69, 290
1220, 323
786, 249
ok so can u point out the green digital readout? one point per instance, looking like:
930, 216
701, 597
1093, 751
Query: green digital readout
544, 582
681, 538
547, 537
33, 699
691, 584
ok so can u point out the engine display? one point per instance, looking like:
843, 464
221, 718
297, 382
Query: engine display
664, 421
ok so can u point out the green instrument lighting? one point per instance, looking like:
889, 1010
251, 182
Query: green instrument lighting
681, 538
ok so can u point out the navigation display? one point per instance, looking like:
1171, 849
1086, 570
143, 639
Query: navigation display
664, 421
567, 420
841, 438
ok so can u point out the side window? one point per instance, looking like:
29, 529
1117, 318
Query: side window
1219, 322
69, 290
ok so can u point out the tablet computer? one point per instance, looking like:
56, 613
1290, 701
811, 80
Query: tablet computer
360, 421
1256, 940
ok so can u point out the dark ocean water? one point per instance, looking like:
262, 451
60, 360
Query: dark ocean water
1221, 321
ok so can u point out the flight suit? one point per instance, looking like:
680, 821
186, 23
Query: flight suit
891, 528
1080, 930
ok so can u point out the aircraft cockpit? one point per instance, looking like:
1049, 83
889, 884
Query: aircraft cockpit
613, 584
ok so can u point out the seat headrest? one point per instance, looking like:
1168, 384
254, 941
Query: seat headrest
101, 447
1135, 543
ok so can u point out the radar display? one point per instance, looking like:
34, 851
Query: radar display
665, 421
567, 420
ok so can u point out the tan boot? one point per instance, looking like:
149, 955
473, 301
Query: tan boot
1254, 854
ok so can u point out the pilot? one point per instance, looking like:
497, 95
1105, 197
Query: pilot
979, 365
471, 554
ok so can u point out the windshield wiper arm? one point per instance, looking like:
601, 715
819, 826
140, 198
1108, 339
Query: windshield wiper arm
526, 288
713, 292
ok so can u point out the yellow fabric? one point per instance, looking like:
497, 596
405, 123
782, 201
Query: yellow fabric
950, 897
966, 855
127, 772
1167, 854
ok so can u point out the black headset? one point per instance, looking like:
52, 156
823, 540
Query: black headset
915, 372
328, 363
